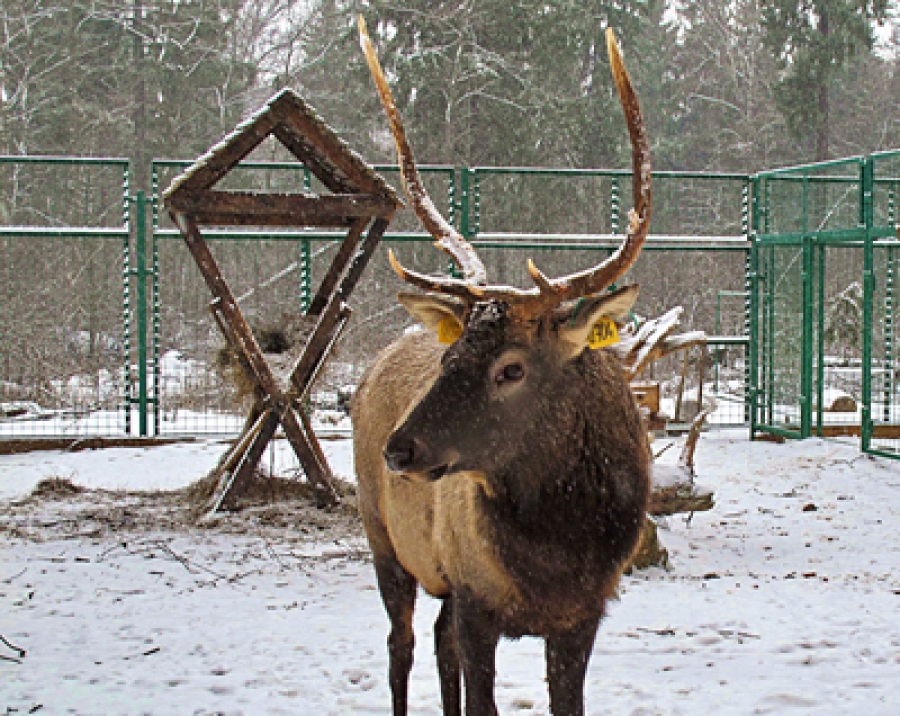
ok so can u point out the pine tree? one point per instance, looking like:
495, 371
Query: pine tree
812, 40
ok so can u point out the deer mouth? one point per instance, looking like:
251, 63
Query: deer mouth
436, 473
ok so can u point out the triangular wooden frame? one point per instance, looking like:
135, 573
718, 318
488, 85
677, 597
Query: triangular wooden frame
361, 201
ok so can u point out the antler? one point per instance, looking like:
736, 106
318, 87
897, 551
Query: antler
547, 292
448, 238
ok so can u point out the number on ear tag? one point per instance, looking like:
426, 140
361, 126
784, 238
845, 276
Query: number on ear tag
603, 334
448, 330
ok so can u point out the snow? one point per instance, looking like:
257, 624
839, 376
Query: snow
782, 599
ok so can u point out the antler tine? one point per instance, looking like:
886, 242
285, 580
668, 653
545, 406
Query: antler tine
447, 238
603, 275
436, 284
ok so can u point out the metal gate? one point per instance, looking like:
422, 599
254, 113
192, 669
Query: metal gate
823, 320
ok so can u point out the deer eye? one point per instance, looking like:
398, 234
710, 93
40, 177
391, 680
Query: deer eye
510, 373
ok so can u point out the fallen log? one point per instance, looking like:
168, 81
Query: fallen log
673, 489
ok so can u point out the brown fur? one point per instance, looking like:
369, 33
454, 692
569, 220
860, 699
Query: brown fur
540, 505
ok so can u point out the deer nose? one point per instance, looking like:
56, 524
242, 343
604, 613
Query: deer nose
400, 453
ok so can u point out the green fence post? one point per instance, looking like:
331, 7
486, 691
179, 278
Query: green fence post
806, 329
820, 273
614, 206
867, 176
752, 283
464, 208
305, 275
748, 290
452, 201
806, 333
889, 284
475, 204
306, 256
156, 320
127, 393
140, 273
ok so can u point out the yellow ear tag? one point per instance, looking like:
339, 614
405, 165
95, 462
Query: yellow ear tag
448, 330
603, 334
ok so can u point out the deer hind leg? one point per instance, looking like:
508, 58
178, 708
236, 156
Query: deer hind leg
398, 592
567, 661
447, 659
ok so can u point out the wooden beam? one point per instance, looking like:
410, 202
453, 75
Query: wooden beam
338, 265
362, 257
319, 165
344, 163
323, 333
242, 209
236, 452
247, 461
317, 347
310, 454
224, 156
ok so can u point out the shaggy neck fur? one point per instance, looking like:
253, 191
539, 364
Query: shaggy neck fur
586, 500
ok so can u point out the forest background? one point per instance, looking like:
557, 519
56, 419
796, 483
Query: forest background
726, 85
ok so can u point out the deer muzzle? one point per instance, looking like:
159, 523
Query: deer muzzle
412, 457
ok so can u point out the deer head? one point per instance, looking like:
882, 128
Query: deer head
512, 349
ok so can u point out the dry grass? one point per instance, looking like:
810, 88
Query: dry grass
272, 507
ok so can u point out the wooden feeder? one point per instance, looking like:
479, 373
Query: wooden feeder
360, 202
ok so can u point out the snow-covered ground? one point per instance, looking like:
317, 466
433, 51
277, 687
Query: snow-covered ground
785, 598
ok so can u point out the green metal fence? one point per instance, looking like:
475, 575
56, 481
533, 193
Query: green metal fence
823, 356
135, 293
65, 225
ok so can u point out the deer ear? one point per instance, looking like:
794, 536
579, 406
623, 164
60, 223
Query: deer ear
444, 315
591, 321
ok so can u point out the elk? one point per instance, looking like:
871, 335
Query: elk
501, 461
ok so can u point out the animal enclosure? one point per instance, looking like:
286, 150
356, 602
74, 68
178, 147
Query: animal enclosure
104, 326
824, 351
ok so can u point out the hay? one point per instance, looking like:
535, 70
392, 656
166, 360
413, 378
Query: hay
264, 489
56, 487
88, 513
280, 341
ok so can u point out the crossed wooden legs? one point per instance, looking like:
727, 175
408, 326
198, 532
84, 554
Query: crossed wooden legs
276, 406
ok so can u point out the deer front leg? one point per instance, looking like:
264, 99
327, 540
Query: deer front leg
567, 660
398, 592
447, 659
477, 636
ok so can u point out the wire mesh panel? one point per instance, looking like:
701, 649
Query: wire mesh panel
780, 391
61, 338
132, 337
569, 219
63, 234
885, 383
592, 201
691, 278
837, 335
